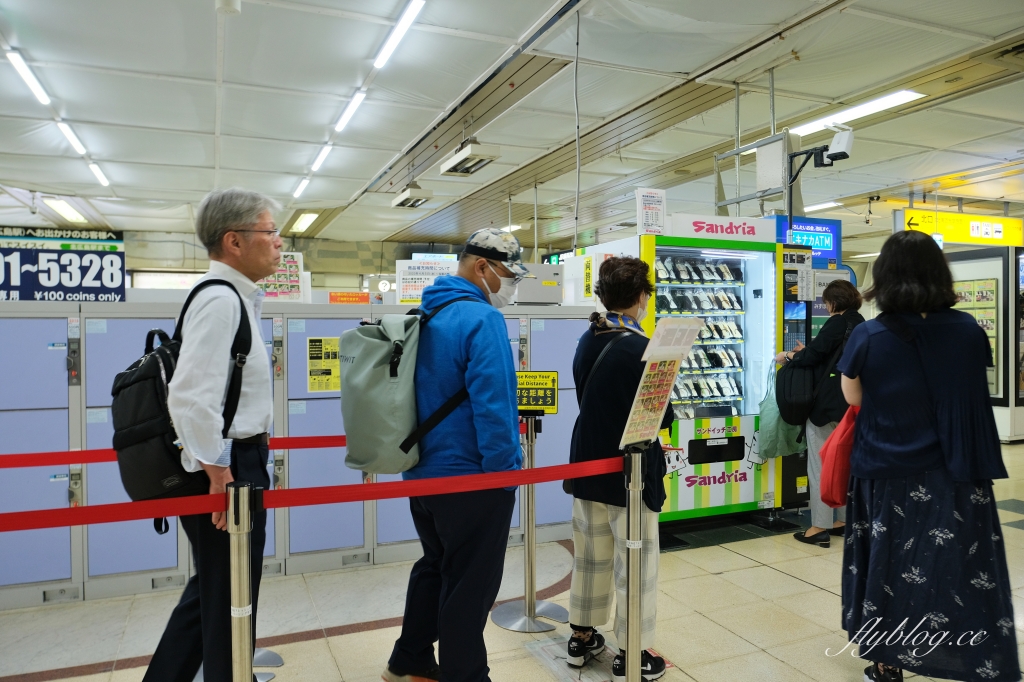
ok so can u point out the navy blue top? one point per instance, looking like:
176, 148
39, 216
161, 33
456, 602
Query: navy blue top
926, 402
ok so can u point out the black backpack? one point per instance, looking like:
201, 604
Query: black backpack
148, 450
795, 389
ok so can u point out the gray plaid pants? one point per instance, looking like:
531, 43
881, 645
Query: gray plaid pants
599, 535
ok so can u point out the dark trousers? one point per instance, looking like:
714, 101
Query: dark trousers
453, 587
199, 631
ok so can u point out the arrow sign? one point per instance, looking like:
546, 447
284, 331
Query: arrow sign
911, 223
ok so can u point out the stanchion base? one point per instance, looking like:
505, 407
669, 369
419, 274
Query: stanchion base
512, 616
265, 658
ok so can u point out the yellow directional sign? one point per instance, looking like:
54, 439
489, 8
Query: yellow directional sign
538, 391
966, 228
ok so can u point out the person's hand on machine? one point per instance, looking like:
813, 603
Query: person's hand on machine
783, 358
219, 479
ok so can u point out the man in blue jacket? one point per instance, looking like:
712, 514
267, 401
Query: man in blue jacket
464, 535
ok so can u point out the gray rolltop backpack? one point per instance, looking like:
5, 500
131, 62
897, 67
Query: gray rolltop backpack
378, 393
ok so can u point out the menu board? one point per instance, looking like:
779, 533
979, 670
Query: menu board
286, 283
979, 298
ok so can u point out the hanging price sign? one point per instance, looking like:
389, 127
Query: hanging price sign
61, 275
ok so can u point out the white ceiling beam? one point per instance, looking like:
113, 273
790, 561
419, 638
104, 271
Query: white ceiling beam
918, 24
674, 75
557, 114
369, 18
206, 82
762, 89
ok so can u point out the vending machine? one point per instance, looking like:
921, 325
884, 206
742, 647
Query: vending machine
728, 272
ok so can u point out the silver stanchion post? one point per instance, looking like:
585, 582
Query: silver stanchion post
521, 616
239, 527
634, 545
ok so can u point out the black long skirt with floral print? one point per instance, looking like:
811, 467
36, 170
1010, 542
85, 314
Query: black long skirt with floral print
925, 585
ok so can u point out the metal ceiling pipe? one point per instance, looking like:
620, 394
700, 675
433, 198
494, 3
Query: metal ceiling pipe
771, 97
536, 246
737, 157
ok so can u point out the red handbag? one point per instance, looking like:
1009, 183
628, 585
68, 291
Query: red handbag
835, 460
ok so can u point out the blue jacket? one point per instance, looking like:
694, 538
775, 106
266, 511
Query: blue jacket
466, 344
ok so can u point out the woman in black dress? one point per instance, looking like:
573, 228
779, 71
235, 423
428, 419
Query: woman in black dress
925, 583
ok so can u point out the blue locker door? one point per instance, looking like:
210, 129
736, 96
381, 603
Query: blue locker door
330, 526
111, 345
34, 360
128, 545
298, 377
267, 329
552, 348
31, 556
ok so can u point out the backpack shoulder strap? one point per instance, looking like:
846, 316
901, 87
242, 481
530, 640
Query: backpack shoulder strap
240, 347
426, 318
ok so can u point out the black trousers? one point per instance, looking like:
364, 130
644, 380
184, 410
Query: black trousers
199, 631
453, 587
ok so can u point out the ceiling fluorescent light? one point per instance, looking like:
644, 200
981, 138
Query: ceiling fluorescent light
301, 188
303, 223
350, 110
413, 196
866, 255
66, 211
26, 75
873, 107
99, 174
821, 207
511, 228
470, 157
72, 138
408, 16
322, 156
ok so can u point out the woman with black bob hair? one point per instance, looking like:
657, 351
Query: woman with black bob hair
607, 370
925, 582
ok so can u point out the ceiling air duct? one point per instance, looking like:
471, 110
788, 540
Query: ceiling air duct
470, 157
412, 197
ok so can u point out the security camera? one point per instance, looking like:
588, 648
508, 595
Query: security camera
842, 143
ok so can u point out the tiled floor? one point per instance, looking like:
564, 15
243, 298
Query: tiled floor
741, 604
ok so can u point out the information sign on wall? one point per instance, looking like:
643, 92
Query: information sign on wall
538, 391
825, 237
650, 211
979, 298
350, 297
413, 276
964, 228
56, 264
323, 364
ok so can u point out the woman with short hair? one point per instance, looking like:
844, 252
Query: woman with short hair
842, 300
925, 582
599, 521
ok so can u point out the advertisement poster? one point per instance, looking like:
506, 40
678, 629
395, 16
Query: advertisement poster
978, 298
286, 283
323, 364
413, 276
48, 264
649, 405
650, 211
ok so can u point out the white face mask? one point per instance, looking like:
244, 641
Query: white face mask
501, 297
642, 312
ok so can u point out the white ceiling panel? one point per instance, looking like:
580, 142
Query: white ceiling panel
109, 143
45, 171
535, 130
26, 136
667, 35
479, 16
601, 91
936, 129
150, 224
865, 153
1005, 146
1002, 102
924, 165
991, 17
282, 157
755, 112
144, 35
325, 188
160, 210
262, 114
137, 101
142, 175
15, 98
381, 127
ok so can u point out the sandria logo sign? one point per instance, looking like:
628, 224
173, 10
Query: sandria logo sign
742, 229
720, 479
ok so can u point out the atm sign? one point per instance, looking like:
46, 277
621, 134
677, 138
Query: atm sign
817, 241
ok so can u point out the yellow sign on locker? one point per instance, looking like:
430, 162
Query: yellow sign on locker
538, 391
966, 228
323, 364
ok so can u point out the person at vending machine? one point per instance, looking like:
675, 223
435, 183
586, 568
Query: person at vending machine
605, 394
924, 548
464, 535
238, 230
843, 301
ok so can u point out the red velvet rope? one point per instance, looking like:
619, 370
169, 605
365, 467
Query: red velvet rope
64, 458
207, 504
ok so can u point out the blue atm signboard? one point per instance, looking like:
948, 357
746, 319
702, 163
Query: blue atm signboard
825, 237
84, 265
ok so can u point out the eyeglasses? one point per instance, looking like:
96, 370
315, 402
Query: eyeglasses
515, 278
273, 232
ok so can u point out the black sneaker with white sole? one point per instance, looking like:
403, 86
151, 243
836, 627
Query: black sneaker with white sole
584, 645
877, 672
651, 667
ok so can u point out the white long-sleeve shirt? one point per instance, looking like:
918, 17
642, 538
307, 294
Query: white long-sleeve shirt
200, 383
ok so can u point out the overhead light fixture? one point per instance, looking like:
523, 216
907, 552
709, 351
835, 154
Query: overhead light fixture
866, 255
350, 110
99, 174
821, 207
26, 75
301, 188
66, 211
511, 228
413, 196
72, 138
322, 156
408, 16
860, 111
468, 158
303, 223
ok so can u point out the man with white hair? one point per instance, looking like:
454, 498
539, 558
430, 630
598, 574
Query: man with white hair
237, 228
